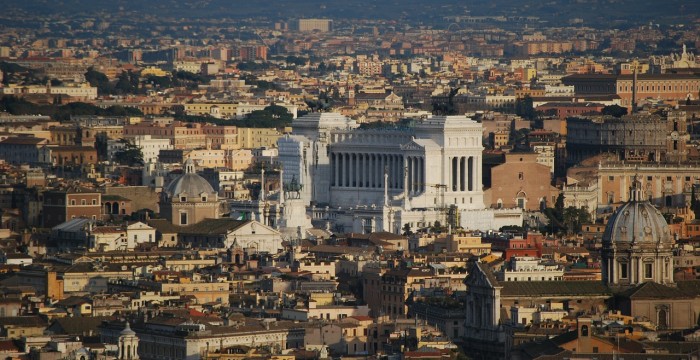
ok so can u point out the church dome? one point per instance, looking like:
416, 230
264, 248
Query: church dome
637, 222
189, 183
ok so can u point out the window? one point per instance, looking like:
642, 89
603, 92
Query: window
183, 198
584, 330
72, 202
183, 218
623, 271
520, 176
82, 202
94, 202
204, 198
648, 271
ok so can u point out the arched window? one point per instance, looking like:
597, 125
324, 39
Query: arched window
662, 320
584, 330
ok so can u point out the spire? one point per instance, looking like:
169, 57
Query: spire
281, 186
636, 190
262, 185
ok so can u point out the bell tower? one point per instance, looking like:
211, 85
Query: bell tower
128, 344
677, 136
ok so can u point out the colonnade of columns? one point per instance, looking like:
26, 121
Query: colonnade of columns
366, 170
633, 270
464, 173
415, 165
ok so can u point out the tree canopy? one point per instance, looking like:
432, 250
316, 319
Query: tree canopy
99, 80
566, 219
614, 110
273, 116
19, 106
130, 154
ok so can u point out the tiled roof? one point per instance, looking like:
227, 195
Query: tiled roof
77, 325
8, 346
22, 141
690, 287
213, 226
22, 321
652, 290
338, 249
164, 226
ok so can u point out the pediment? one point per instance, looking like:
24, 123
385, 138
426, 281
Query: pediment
412, 146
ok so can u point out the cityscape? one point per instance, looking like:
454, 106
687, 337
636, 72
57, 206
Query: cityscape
359, 180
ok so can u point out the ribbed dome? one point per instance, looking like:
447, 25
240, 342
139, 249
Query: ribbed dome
637, 221
189, 183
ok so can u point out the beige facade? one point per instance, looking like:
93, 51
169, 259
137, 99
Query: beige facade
239, 160
252, 138
217, 110
320, 270
666, 185
666, 312
313, 311
207, 158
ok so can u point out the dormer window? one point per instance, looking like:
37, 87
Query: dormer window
204, 198
183, 198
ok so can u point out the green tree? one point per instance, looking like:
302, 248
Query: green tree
559, 206
694, 203
273, 116
127, 83
99, 80
524, 108
614, 110
101, 145
407, 229
573, 218
130, 154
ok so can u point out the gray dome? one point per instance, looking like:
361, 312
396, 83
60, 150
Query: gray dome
637, 221
190, 184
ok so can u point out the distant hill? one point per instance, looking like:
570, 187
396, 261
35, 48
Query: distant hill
615, 13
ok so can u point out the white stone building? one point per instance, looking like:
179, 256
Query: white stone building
530, 269
381, 179
150, 147
115, 238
